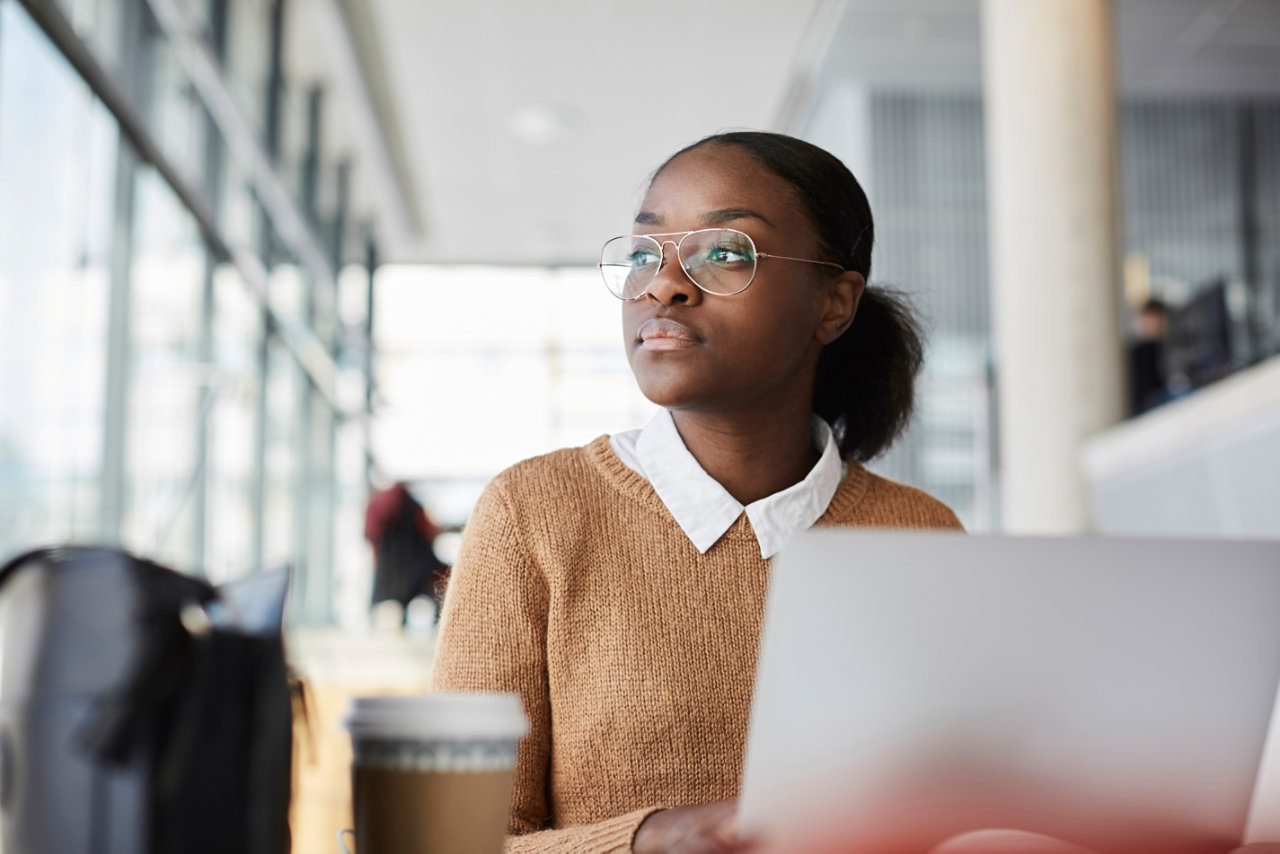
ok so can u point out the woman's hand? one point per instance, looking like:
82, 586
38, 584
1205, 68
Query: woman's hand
704, 829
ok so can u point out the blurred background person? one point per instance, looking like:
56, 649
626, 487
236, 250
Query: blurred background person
405, 563
1148, 383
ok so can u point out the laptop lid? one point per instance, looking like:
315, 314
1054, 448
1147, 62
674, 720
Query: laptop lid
1114, 693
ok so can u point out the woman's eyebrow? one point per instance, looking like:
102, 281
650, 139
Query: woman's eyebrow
716, 217
724, 215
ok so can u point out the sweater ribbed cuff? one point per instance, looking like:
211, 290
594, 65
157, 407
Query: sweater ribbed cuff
611, 836
615, 834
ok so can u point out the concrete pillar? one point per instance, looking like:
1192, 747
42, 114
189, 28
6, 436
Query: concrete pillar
1051, 167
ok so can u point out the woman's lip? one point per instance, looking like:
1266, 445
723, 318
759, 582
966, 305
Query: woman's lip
663, 333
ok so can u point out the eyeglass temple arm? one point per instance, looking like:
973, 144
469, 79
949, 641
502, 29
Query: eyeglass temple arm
803, 260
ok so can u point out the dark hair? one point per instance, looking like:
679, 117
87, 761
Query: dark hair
1155, 306
865, 386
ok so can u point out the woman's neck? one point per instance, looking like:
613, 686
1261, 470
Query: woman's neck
751, 454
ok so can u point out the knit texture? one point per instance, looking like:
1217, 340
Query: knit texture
634, 654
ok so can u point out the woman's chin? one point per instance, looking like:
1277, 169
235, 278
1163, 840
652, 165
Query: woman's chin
671, 395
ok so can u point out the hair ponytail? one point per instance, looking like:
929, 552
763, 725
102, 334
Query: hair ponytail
866, 378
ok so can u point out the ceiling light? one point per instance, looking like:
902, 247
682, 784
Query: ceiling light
540, 124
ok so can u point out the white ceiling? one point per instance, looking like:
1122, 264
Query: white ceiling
530, 127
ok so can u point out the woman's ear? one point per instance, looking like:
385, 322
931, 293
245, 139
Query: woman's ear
840, 305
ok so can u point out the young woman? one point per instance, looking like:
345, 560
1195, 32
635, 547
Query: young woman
619, 587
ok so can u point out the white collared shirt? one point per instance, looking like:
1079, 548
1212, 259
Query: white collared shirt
705, 510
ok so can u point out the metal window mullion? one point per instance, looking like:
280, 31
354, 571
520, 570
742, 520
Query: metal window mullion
213, 169
338, 239
119, 335
371, 261
266, 253
329, 476
306, 580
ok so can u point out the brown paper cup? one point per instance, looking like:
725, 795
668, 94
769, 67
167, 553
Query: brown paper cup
431, 774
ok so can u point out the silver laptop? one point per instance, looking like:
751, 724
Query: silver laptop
1113, 693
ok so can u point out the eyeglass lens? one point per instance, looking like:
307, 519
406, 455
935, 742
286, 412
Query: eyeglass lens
720, 261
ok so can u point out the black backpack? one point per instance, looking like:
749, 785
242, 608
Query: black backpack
142, 711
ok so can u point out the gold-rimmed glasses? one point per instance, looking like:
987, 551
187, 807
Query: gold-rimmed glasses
718, 260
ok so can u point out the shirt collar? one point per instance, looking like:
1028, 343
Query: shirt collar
705, 510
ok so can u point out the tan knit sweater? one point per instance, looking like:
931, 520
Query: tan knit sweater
634, 654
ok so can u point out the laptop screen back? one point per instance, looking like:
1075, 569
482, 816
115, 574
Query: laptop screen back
1114, 693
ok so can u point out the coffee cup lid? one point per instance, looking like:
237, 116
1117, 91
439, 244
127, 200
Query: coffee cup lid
437, 716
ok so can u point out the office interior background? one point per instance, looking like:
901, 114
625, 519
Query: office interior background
257, 256
260, 257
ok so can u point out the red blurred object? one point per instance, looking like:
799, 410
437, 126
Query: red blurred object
402, 533
385, 506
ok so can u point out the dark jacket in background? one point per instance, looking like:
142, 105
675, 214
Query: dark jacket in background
401, 534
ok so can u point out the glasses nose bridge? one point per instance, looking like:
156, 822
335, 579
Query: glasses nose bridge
682, 276
663, 257
662, 251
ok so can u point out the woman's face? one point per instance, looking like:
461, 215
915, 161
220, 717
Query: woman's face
701, 352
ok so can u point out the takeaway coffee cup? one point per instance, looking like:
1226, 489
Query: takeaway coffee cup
431, 774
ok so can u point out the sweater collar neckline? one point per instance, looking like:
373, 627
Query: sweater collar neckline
705, 510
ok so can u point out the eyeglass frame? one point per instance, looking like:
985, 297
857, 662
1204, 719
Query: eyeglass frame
662, 257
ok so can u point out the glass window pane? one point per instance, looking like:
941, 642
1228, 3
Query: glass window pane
282, 456
533, 356
166, 376
57, 173
173, 112
237, 338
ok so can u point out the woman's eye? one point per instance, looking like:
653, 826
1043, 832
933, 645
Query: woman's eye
728, 254
642, 257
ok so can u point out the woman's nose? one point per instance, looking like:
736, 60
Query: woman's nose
672, 284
